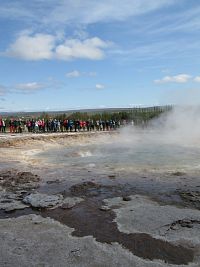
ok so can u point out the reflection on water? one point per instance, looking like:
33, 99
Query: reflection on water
126, 156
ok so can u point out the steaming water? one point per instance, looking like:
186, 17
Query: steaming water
143, 152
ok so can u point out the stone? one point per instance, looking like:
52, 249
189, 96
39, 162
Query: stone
13, 180
104, 208
38, 200
178, 173
53, 181
70, 202
126, 198
112, 176
11, 202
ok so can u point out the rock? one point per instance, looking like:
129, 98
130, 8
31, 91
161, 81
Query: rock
174, 227
104, 208
53, 182
86, 188
66, 206
70, 202
38, 200
126, 198
112, 176
83, 188
90, 189
189, 226
10, 202
14, 205
191, 197
13, 180
185, 223
178, 173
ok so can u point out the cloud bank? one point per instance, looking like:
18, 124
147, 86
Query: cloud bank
180, 78
47, 47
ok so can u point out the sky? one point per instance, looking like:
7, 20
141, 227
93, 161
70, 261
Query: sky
81, 54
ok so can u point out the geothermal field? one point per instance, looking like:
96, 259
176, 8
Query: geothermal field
121, 198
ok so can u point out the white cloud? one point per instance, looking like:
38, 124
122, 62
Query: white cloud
181, 78
73, 74
91, 48
99, 86
29, 87
197, 79
39, 46
46, 47
76, 73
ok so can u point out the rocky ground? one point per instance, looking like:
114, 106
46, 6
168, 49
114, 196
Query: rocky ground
49, 219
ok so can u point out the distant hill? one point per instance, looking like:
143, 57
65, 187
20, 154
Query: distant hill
89, 111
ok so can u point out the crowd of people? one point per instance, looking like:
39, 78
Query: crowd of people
56, 125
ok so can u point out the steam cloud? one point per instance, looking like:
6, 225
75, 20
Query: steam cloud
180, 126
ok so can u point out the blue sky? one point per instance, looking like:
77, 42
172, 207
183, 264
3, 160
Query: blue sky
72, 54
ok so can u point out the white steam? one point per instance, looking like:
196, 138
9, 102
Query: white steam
180, 126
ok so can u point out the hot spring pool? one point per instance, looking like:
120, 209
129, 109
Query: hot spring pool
125, 156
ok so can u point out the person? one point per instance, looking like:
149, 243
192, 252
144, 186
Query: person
77, 126
58, 125
15, 126
11, 125
97, 125
70, 125
19, 126
84, 125
28, 125
43, 125
3, 126
32, 125
65, 124
88, 125
36, 126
